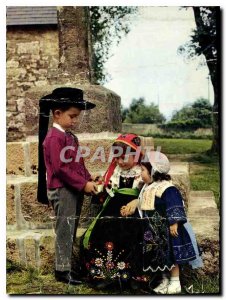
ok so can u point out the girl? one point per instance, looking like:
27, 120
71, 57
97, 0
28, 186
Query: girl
168, 240
110, 242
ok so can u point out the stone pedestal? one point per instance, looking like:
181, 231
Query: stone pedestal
104, 117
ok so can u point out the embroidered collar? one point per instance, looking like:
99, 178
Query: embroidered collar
149, 192
134, 172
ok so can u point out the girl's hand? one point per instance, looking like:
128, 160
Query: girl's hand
130, 208
173, 230
123, 211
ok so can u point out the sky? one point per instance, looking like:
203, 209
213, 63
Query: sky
146, 63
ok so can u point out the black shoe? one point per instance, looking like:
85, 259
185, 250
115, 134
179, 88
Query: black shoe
134, 284
104, 284
67, 277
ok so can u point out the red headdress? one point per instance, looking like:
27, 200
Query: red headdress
131, 140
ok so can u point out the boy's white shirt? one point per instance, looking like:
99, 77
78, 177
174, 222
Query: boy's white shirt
146, 199
58, 127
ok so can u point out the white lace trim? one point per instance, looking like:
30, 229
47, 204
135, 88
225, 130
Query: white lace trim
147, 202
134, 172
159, 269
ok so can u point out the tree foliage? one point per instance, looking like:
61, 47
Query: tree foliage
192, 117
205, 41
108, 25
140, 113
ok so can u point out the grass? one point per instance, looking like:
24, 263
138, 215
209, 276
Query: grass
205, 176
25, 282
182, 146
195, 284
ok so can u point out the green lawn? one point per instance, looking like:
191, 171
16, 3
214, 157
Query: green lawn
182, 146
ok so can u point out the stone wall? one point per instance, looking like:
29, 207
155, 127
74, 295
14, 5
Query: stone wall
32, 59
142, 129
32, 72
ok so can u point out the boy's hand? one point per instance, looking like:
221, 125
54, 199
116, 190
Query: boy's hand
173, 230
129, 209
90, 188
97, 178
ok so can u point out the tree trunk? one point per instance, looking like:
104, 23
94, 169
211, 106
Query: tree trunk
214, 70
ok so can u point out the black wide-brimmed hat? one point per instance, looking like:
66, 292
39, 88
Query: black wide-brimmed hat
59, 98
65, 96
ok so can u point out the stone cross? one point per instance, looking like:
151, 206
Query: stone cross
74, 43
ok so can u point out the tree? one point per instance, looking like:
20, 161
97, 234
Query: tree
108, 25
140, 113
205, 41
124, 112
197, 115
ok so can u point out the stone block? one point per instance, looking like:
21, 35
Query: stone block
34, 248
204, 215
14, 72
15, 158
34, 157
10, 205
23, 209
85, 212
107, 110
13, 93
18, 159
204, 218
12, 250
98, 159
28, 48
99, 148
12, 107
179, 173
12, 64
21, 105
35, 213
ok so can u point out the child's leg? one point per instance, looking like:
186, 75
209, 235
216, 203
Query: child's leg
175, 272
162, 287
174, 286
66, 226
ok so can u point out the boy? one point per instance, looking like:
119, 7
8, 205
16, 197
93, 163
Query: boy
67, 176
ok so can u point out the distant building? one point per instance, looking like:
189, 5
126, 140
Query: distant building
32, 53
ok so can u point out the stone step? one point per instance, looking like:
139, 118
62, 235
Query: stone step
24, 211
34, 248
104, 135
179, 172
179, 167
22, 157
204, 215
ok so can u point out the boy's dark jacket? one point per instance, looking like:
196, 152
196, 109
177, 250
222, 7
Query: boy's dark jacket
59, 174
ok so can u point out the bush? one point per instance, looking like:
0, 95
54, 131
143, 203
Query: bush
189, 125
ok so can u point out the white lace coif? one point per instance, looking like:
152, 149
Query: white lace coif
159, 162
